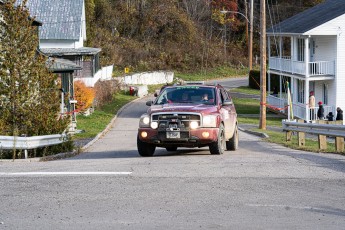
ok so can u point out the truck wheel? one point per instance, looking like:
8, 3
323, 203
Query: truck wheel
232, 144
145, 149
219, 146
171, 149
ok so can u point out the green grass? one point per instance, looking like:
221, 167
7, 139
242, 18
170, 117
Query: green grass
247, 106
270, 121
246, 90
98, 121
153, 88
251, 107
310, 145
216, 73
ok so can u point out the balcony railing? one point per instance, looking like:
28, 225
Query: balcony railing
286, 64
299, 109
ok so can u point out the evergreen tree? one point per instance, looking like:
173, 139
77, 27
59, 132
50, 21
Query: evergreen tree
29, 95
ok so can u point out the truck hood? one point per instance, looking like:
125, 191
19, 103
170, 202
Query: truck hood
191, 108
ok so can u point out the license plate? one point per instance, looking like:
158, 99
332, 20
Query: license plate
173, 135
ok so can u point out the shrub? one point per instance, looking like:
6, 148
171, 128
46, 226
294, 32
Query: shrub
29, 96
105, 90
84, 95
254, 80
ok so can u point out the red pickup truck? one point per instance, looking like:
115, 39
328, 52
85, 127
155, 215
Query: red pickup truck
189, 116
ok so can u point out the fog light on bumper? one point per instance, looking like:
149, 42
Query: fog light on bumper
143, 134
205, 134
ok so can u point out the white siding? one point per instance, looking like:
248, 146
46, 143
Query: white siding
340, 72
332, 27
61, 44
325, 48
83, 25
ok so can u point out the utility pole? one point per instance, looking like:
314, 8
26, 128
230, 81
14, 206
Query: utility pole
262, 124
250, 56
247, 23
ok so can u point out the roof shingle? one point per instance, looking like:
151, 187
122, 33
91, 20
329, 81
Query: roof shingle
310, 18
61, 19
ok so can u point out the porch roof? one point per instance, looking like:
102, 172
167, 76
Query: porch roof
309, 19
71, 51
59, 65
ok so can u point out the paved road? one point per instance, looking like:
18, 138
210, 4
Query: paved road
260, 186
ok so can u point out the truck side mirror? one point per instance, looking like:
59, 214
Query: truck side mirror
149, 103
227, 102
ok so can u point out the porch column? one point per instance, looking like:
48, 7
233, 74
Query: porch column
280, 47
292, 47
292, 85
269, 56
306, 56
306, 93
281, 105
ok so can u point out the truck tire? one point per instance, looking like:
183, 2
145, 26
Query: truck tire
218, 147
145, 149
232, 144
171, 149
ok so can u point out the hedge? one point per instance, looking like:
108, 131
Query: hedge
254, 80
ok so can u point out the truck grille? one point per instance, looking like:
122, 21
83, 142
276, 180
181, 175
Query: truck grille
175, 120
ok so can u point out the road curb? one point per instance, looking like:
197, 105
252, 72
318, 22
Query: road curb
259, 134
82, 149
108, 126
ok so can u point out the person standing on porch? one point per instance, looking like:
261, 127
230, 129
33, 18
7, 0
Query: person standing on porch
311, 105
321, 111
339, 114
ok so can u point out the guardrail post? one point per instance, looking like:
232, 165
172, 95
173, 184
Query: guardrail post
322, 138
339, 144
301, 136
288, 136
26, 153
322, 142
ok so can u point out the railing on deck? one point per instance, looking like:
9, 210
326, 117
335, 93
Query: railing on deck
299, 109
286, 64
276, 102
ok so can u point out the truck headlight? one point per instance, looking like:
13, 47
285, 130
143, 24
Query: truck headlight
209, 121
193, 125
154, 125
144, 121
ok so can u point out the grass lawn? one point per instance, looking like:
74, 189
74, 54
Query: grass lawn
249, 110
217, 73
246, 90
98, 121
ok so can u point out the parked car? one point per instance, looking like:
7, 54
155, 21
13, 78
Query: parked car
189, 116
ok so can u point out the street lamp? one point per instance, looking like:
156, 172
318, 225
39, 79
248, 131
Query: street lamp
250, 22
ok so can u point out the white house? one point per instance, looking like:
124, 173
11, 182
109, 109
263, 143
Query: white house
61, 38
63, 35
308, 51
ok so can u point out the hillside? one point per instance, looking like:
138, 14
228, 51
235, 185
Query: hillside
185, 35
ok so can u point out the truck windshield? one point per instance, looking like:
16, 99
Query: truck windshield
187, 95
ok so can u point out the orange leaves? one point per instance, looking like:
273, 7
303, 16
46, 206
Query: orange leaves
84, 95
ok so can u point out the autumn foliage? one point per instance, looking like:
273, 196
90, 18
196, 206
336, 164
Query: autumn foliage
29, 96
84, 95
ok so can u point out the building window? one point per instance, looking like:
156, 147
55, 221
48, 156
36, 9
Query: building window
300, 93
300, 49
325, 94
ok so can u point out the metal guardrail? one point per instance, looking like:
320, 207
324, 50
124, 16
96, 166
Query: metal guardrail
25, 143
322, 130
313, 128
